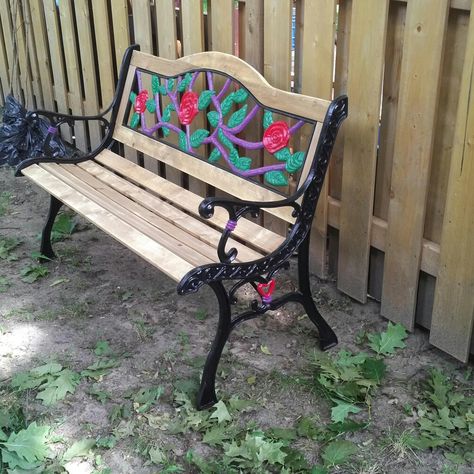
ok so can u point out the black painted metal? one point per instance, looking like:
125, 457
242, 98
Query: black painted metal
46, 249
57, 119
264, 269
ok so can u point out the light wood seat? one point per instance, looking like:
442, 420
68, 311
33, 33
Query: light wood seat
138, 212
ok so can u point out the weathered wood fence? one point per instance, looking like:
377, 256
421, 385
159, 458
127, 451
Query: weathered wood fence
396, 220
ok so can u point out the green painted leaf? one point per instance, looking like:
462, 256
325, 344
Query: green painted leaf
237, 117
135, 120
295, 162
162, 90
276, 178
133, 96
341, 410
221, 412
198, 137
283, 155
29, 444
214, 156
234, 156
240, 96
167, 113
224, 140
170, 84
185, 82
338, 452
244, 163
227, 103
387, 342
205, 99
155, 84
183, 143
213, 118
151, 105
79, 449
166, 131
267, 119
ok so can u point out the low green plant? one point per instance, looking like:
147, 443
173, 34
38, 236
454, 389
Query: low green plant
64, 226
4, 284
33, 272
7, 245
5, 200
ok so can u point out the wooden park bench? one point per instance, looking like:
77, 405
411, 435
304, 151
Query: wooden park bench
212, 117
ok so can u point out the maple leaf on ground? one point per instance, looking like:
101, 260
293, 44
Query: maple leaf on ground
338, 452
221, 413
29, 444
386, 342
341, 410
79, 449
57, 389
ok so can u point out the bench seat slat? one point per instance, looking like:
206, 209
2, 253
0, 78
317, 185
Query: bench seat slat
153, 252
261, 239
197, 228
192, 250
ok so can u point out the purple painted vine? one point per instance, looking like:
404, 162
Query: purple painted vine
223, 136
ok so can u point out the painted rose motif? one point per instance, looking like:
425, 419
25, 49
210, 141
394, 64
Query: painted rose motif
276, 136
140, 101
188, 109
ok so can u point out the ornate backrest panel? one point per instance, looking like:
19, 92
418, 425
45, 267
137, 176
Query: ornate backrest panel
207, 106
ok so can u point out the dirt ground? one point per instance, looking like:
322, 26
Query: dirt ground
97, 290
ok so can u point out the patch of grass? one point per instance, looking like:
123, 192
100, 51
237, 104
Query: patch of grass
7, 245
144, 329
25, 313
33, 272
4, 284
5, 201
76, 310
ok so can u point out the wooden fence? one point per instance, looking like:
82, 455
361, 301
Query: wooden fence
396, 219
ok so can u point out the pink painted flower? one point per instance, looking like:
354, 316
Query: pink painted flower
140, 101
188, 109
276, 136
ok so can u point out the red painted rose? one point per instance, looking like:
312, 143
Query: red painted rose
276, 136
140, 101
188, 109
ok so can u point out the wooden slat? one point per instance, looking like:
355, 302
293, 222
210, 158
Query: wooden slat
260, 238
218, 177
192, 250
24, 68
73, 70
454, 58
277, 67
453, 311
89, 79
5, 80
369, 23
59, 73
7, 30
311, 108
192, 22
171, 213
425, 31
319, 28
151, 251
166, 28
42, 52
221, 26
104, 51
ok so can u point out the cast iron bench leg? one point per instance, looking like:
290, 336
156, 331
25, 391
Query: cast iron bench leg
327, 337
207, 393
46, 249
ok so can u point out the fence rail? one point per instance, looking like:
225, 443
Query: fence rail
396, 216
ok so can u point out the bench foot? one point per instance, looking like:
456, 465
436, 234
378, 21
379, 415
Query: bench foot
207, 392
46, 249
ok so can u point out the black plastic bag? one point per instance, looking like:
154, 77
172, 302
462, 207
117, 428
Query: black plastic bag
24, 135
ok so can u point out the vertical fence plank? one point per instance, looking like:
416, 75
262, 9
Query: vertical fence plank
73, 69
59, 74
193, 42
104, 51
221, 25
89, 79
277, 64
5, 80
368, 32
42, 52
453, 311
319, 28
167, 48
24, 68
425, 28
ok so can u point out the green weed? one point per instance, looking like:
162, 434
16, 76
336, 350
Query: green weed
5, 201
33, 272
7, 245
